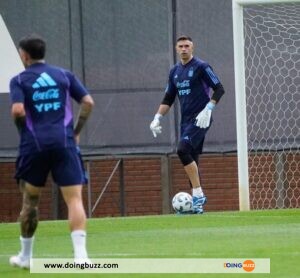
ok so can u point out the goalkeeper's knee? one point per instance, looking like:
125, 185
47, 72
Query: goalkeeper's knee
184, 151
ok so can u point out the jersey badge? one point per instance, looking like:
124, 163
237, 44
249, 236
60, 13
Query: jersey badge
191, 72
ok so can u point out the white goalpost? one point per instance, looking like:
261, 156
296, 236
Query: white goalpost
267, 87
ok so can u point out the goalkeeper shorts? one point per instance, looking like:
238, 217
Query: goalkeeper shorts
194, 136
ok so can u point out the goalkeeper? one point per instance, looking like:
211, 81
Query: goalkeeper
190, 80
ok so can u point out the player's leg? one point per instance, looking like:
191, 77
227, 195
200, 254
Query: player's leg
29, 221
199, 199
76, 214
188, 156
197, 192
77, 219
195, 157
32, 174
189, 147
185, 154
68, 174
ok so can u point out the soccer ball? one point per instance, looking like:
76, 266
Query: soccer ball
182, 202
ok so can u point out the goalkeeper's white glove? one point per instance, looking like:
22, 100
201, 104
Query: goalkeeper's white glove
155, 125
203, 118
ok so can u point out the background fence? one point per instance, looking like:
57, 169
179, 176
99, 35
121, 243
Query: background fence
122, 51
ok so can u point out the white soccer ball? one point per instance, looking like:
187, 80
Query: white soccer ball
182, 202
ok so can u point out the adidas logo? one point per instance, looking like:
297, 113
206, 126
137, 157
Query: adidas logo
44, 80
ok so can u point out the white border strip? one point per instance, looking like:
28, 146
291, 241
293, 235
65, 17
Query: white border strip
151, 265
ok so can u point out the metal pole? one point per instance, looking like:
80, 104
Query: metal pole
106, 185
280, 160
165, 183
122, 188
89, 189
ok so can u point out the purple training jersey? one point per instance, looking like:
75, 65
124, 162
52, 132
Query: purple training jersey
46, 93
191, 83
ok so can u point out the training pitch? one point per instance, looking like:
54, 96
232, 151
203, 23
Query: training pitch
273, 234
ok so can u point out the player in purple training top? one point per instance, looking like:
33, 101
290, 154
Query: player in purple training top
42, 111
190, 80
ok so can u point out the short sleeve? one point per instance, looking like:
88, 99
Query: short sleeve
77, 90
16, 91
210, 77
171, 88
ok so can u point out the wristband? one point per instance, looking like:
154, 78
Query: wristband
210, 105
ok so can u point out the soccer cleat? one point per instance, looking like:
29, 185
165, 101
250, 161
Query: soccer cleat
198, 203
19, 261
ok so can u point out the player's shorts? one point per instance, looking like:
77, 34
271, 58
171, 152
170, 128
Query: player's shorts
64, 164
193, 135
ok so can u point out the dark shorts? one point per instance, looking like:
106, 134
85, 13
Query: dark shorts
64, 164
193, 135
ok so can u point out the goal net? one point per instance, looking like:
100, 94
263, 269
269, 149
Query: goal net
272, 103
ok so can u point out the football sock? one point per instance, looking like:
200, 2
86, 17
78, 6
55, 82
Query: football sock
197, 192
26, 247
79, 244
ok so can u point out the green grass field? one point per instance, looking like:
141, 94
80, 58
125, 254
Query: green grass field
273, 234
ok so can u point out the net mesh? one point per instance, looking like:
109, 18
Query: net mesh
272, 61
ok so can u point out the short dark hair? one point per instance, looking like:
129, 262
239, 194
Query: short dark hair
34, 45
184, 38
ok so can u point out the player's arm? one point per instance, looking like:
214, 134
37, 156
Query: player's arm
164, 107
19, 115
213, 82
211, 79
166, 103
86, 107
17, 109
80, 94
218, 93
